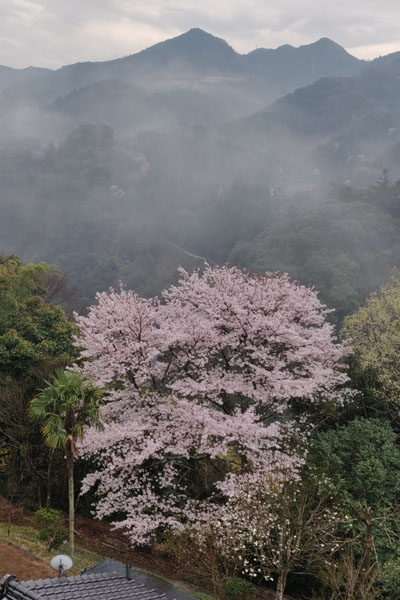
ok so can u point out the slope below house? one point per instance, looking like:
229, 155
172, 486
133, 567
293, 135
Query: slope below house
29, 559
24, 564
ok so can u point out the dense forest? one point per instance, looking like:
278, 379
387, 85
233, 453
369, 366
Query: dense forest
233, 398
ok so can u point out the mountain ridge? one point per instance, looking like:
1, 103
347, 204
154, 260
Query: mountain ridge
189, 58
9, 75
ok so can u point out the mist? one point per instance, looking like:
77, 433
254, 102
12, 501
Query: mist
190, 152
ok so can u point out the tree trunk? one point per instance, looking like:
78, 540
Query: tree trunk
48, 498
368, 545
280, 586
71, 500
39, 494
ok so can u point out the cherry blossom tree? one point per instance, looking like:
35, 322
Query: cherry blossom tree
200, 381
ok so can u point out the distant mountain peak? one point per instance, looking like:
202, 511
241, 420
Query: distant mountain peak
195, 35
324, 45
329, 45
195, 46
286, 47
326, 41
197, 31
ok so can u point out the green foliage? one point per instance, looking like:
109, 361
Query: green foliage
48, 517
54, 538
361, 459
374, 333
389, 580
52, 531
66, 405
35, 339
32, 332
238, 589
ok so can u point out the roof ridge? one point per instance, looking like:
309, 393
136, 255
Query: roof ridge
54, 581
112, 586
15, 589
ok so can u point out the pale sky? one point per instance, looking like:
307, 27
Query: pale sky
51, 33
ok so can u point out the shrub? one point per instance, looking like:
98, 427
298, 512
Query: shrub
361, 459
238, 589
52, 531
390, 579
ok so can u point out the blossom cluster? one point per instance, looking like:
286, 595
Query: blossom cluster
204, 372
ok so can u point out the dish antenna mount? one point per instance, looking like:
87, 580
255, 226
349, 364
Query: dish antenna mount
61, 563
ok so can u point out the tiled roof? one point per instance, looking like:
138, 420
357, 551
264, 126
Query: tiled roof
108, 565
100, 586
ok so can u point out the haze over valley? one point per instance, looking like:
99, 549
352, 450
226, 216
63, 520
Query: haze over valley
189, 150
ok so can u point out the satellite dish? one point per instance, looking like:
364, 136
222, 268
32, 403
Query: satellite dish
61, 563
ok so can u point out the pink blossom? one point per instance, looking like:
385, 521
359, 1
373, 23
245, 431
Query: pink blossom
205, 371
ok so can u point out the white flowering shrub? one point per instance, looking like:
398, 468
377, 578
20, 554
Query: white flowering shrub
275, 526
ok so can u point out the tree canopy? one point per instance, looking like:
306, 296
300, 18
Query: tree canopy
35, 339
33, 334
374, 333
199, 380
65, 407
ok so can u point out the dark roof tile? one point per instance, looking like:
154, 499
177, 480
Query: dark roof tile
108, 565
100, 586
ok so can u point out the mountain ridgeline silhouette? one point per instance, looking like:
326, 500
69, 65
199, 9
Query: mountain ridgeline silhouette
197, 58
122, 170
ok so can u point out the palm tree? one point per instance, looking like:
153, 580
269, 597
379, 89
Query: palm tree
67, 405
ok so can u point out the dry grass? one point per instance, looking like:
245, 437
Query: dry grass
26, 538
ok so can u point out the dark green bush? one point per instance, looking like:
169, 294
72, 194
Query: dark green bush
389, 580
52, 531
361, 459
48, 517
238, 589
53, 537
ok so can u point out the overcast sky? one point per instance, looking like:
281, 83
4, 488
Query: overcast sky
55, 32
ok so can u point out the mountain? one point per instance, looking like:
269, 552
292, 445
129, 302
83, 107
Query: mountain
129, 108
329, 104
290, 67
386, 61
131, 185
9, 76
196, 47
200, 61
334, 128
